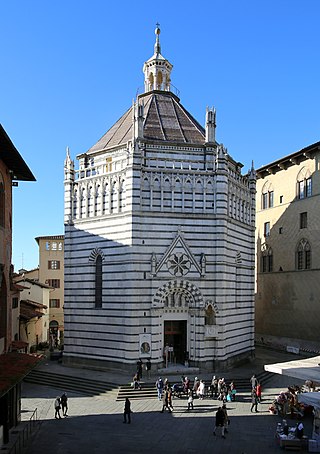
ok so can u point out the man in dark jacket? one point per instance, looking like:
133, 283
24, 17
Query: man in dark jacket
220, 417
127, 411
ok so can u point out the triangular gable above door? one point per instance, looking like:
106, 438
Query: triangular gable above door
178, 259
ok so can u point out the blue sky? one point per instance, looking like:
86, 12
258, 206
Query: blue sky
70, 69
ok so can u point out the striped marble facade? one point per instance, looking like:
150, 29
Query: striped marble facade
159, 236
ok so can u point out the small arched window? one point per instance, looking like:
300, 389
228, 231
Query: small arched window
98, 282
151, 79
159, 80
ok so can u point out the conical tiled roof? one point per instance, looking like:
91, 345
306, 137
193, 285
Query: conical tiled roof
166, 120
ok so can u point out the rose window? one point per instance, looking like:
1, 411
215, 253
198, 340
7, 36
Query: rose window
178, 264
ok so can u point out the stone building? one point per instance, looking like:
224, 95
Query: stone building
159, 240
288, 247
14, 366
51, 271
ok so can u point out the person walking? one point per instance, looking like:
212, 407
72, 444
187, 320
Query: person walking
127, 411
148, 368
226, 421
170, 406
165, 402
233, 391
201, 390
196, 384
186, 385
259, 392
57, 407
254, 400
159, 386
139, 369
64, 404
219, 422
214, 387
190, 400
253, 381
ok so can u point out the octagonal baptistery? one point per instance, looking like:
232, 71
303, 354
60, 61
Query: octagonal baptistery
159, 241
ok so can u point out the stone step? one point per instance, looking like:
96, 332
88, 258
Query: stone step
149, 391
70, 383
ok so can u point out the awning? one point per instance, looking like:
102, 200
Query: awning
14, 367
312, 399
304, 369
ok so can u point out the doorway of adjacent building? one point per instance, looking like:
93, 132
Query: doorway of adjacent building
175, 337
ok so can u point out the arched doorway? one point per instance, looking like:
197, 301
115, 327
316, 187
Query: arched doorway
53, 333
175, 299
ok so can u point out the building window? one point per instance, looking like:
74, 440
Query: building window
109, 164
303, 255
54, 303
55, 283
280, 230
54, 246
281, 199
266, 229
47, 245
54, 265
60, 246
304, 188
303, 220
267, 260
15, 302
267, 200
98, 282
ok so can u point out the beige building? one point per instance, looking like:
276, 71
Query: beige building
33, 303
288, 246
51, 270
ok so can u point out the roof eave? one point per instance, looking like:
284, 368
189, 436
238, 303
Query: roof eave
13, 160
288, 161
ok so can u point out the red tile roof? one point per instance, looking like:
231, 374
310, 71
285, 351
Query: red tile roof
14, 367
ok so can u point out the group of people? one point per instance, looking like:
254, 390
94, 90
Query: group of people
164, 391
219, 389
287, 402
61, 403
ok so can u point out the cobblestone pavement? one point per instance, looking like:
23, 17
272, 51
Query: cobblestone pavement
94, 424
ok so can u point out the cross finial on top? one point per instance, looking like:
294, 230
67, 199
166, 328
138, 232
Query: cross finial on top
157, 48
